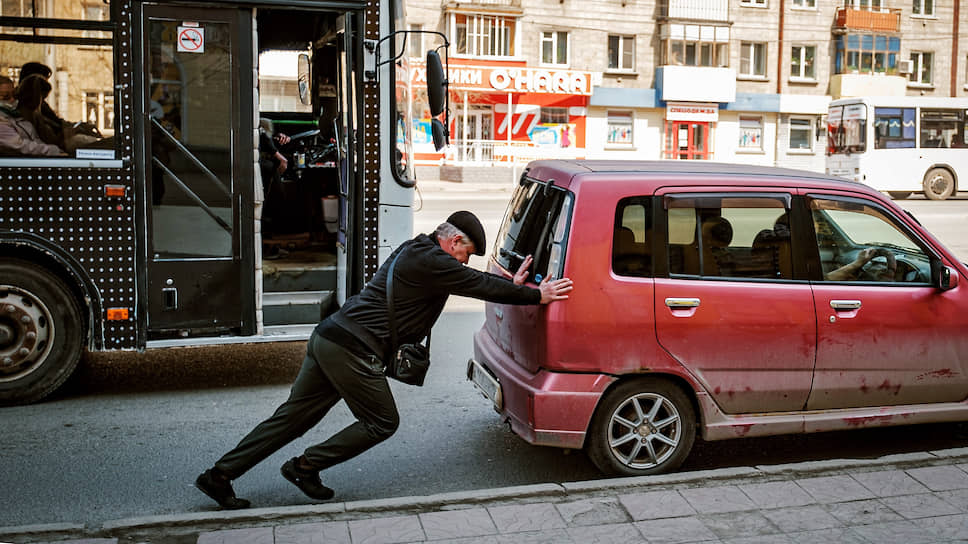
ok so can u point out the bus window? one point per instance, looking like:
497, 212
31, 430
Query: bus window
847, 130
942, 128
70, 45
894, 128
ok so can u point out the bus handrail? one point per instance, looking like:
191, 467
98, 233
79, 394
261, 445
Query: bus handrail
208, 173
191, 194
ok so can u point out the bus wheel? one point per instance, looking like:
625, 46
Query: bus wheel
938, 184
41, 332
899, 195
643, 426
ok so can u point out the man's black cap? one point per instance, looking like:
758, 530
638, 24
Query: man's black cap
471, 226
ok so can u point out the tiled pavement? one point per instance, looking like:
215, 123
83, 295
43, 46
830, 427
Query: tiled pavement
909, 499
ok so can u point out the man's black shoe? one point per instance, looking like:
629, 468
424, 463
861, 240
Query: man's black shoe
220, 490
307, 481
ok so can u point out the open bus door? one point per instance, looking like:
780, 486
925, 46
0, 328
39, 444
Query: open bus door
195, 180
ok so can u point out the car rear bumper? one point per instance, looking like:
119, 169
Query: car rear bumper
545, 408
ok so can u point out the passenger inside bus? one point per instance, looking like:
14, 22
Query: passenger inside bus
19, 134
55, 130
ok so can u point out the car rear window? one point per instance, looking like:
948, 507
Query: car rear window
632, 243
536, 223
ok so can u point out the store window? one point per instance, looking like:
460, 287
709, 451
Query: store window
71, 44
621, 52
620, 128
922, 68
801, 63
750, 133
752, 59
483, 35
893, 128
554, 47
924, 8
801, 134
694, 45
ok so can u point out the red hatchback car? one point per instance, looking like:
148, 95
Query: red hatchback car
728, 300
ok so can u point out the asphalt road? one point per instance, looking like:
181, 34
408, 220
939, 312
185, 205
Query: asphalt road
130, 433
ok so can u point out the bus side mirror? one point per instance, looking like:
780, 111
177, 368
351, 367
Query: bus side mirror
437, 90
943, 277
304, 79
436, 84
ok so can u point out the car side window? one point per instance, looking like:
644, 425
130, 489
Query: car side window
632, 238
860, 242
729, 236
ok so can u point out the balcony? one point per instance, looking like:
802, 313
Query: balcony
694, 10
850, 85
886, 20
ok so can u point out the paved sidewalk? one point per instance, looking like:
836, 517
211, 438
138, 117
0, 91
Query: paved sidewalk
919, 498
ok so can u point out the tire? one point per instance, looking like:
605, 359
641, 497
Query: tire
939, 184
899, 195
617, 447
41, 332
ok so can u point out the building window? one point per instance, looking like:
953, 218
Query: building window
751, 133
694, 45
619, 128
96, 12
754, 3
554, 47
621, 52
864, 5
801, 63
99, 109
415, 41
924, 8
805, 4
752, 59
866, 54
483, 35
800, 133
922, 68
554, 116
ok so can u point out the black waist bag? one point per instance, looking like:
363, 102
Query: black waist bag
410, 362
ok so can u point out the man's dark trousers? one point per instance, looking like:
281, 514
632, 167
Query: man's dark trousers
329, 372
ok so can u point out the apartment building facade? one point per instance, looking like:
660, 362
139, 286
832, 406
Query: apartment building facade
744, 81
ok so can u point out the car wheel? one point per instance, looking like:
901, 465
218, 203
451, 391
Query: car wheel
41, 332
899, 195
939, 184
643, 426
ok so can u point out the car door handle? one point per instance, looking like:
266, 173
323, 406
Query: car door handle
845, 305
682, 303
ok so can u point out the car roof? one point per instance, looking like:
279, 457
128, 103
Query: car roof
566, 172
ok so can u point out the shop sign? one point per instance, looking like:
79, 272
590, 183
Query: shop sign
506, 79
692, 112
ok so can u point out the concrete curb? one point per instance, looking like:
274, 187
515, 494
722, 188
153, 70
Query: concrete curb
189, 523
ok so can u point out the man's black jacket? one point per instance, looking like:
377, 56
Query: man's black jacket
424, 276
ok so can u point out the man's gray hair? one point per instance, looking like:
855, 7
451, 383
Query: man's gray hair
446, 230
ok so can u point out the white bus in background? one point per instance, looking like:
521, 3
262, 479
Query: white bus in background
900, 145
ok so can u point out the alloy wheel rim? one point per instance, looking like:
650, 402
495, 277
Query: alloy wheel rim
644, 431
26, 333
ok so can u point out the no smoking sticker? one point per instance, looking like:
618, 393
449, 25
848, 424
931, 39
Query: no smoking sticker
191, 39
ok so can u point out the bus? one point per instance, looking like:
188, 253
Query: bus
900, 145
138, 208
